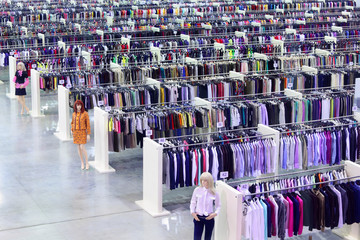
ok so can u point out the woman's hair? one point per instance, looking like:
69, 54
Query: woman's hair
208, 177
79, 102
23, 68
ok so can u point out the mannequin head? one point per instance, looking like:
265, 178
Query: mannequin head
79, 106
20, 66
207, 181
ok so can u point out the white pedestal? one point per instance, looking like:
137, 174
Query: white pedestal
35, 94
101, 162
64, 127
12, 71
152, 179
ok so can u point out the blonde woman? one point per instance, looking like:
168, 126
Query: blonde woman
202, 204
21, 80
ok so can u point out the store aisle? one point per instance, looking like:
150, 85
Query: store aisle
45, 195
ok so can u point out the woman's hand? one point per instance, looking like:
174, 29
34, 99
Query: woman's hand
211, 216
195, 217
88, 138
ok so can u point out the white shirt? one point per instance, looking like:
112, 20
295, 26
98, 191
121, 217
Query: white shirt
202, 202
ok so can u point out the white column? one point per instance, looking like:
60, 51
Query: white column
228, 222
101, 162
64, 127
12, 71
35, 94
152, 179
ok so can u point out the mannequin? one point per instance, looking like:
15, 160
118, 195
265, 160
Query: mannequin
202, 207
80, 128
21, 80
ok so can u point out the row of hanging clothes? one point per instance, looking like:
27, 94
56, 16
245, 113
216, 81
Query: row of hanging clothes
324, 79
249, 156
297, 6
161, 121
318, 143
280, 109
117, 97
288, 213
216, 89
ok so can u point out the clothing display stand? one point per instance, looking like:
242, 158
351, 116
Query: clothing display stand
227, 226
233, 74
292, 93
87, 57
275, 135
101, 34
152, 179
35, 94
63, 132
42, 37
12, 72
61, 44
231, 213
101, 162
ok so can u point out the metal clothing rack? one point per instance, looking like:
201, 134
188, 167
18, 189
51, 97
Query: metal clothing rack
237, 182
301, 186
220, 141
250, 128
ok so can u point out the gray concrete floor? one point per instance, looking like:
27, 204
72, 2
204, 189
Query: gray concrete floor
44, 195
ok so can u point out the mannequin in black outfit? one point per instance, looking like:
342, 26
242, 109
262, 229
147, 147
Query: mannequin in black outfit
21, 80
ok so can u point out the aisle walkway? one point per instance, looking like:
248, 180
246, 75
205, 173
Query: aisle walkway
44, 195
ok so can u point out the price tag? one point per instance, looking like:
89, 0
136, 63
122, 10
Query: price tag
290, 85
81, 80
33, 65
220, 124
354, 108
148, 133
61, 82
107, 108
39, 68
224, 174
68, 85
16, 55
101, 103
12, 53
162, 140
351, 63
90, 50
275, 65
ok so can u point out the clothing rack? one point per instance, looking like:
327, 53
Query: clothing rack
227, 140
237, 182
140, 50
233, 204
251, 128
302, 186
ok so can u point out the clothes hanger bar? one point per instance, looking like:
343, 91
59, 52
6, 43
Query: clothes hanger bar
249, 128
302, 186
227, 140
172, 16
193, 35
278, 92
165, 108
318, 128
141, 50
245, 181
262, 73
118, 52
